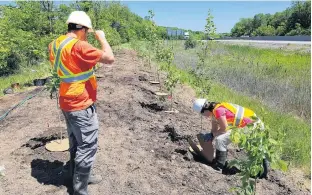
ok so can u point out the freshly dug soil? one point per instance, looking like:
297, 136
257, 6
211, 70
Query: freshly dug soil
142, 149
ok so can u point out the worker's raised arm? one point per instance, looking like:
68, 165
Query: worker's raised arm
108, 56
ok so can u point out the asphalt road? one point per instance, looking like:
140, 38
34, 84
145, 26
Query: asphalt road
270, 42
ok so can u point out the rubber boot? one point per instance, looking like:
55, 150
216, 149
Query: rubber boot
93, 179
72, 164
80, 180
230, 170
69, 169
220, 160
266, 167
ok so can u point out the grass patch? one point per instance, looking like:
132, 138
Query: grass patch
27, 75
280, 79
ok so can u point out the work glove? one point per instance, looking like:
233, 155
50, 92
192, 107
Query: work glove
205, 137
208, 137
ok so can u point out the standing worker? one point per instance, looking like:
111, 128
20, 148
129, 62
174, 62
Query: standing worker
224, 116
73, 58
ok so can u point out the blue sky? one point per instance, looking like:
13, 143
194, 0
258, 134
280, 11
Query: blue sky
192, 15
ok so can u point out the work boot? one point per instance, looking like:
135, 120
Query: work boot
72, 164
220, 160
80, 180
266, 167
69, 169
230, 170
93, 179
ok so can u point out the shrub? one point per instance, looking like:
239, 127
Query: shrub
11, 64
190, 43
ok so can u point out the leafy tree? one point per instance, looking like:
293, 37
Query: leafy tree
27, 27
295, 20
265, 31
190, 43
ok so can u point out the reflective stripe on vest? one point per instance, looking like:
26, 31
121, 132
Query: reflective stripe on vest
83, 77
68, 76
239, 115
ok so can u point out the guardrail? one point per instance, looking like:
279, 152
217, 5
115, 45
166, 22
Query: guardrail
270, 38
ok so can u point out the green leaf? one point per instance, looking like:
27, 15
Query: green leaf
233, 163
243, 138
272, 141
282, 165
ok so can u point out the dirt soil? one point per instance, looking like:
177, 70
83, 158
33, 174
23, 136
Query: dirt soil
142, 149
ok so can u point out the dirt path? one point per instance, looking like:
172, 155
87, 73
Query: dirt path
138, 151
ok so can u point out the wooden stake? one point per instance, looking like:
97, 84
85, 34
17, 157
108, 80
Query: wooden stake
59, 116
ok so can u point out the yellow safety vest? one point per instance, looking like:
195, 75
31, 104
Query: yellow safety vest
239, 112
72, 77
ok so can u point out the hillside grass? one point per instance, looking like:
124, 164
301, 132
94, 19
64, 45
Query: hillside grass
26, 76
280, 79
297, 143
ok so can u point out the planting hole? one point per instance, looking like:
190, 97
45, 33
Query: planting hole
127, 79
153, 106
173, 133
38, 142
142, 78
180, 151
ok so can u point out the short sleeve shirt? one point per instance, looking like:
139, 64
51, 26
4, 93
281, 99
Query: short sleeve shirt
86, 57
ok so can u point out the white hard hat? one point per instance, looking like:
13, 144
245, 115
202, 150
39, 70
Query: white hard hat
81, 18
199, 104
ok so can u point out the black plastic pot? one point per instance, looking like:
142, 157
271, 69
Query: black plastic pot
39, 82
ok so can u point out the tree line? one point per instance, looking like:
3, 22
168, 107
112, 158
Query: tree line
295, 20
27, 27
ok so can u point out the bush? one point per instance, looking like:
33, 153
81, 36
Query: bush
11, 64
190, 43
112, 36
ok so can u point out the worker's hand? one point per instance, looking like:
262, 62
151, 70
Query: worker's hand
208, 137
99, 35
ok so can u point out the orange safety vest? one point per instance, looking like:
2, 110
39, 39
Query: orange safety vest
239, 112
73, 79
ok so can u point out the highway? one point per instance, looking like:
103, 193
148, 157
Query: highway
268, 41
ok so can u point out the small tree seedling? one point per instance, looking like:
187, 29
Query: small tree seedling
166, 56
258, 143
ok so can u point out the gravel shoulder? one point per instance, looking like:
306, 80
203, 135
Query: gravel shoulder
300, 46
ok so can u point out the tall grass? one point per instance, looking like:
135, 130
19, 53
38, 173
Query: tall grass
26, 76
280, 79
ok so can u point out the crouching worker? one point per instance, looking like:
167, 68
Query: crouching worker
224, 117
